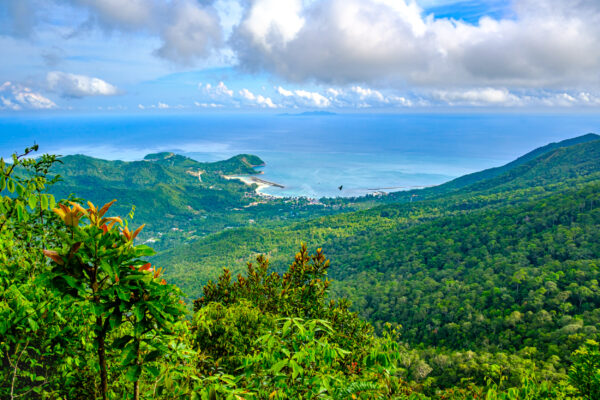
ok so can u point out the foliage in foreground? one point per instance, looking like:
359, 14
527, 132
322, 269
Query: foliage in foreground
84, 316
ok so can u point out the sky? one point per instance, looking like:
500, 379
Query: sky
158, 56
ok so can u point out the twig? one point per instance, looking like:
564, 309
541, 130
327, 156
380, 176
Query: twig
12, 386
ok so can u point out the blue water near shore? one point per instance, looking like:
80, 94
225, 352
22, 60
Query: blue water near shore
310, 155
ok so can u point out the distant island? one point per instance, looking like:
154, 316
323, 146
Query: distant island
309, 114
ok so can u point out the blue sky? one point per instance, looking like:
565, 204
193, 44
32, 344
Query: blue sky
151, 56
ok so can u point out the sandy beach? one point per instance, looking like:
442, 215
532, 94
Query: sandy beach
253, 180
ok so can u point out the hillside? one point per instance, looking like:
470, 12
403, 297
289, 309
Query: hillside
488, 292
555, 171
179, 199
467, 184
487, 174
504, 264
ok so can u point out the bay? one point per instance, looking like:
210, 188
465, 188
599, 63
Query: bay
312, 155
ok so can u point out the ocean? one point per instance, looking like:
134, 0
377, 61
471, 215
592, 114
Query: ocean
311, 155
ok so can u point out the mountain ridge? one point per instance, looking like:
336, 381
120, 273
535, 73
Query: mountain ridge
470, 179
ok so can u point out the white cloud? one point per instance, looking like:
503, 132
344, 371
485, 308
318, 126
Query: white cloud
208, 105
363, 97
490, 97
272, 20
72, 85
259, 100
160, 106
219, 91
188, 29
545, 44
17, 97
478, 97
192, 32
303, 98
119, 13
368, 94
285, 93
313, 98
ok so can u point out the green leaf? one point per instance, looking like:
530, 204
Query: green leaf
130, 353
153, 355
20, 213
122, 341
296, 369
139, 313
11, 185
32, 202
20, 189
72, 282
115, 319
133, 373
144, 251
279, 366
122, 294
2, 183
51, 201
153, 371
44, 201
32, 324
107, 269
286, 327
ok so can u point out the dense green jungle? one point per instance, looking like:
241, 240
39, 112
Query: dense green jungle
192, 285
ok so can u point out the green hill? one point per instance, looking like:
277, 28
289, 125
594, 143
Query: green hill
178, 198
504, 264
489, 290
167, 189
487, 174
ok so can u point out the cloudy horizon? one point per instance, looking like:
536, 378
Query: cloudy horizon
279, 55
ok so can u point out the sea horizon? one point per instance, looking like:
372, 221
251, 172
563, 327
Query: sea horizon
311, 155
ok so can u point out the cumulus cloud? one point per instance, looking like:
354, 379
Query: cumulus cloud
354, 97
193, 33
72, 85
17, 97
258, 100
187, 29
160, 106
546, 43
218, 91
505, 98
305, 98
208, 105
477, 97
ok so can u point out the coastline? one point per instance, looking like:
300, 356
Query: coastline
253, 180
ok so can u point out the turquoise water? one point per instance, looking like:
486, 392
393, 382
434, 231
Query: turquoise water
310, 155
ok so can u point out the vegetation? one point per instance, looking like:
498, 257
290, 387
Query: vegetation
485, 290
180, 199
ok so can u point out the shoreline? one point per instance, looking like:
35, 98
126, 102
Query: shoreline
253, 180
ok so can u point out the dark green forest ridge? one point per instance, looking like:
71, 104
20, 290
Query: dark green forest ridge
484, 287
554, 170
508, 263
180, 199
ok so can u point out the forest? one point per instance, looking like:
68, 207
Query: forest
485, 287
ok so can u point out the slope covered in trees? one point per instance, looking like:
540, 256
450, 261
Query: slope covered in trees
180, 199
488, 291
473, 178
84, 316
505, 264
